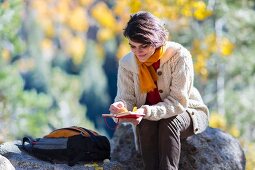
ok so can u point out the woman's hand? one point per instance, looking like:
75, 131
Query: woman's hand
117, 107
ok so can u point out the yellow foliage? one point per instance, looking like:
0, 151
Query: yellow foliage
65, 35
123, 49
196, 46
201, 59
135, 5
77, 20
94, 165
43, 10
62, 11
86, 2
104, 34
200, 64
218, 121
203, 72
44, 16
5, 53
172, 12
249, 148
204, 48
226, 47
39, 5
121, 8
46, 44
196, 43
155, 6
210, 42
104, 15
200, 10
76, 49
181, 2
186, 10
48, 27
112, 21
99, 168
234, 131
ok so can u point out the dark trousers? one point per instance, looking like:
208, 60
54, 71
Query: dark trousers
160, 141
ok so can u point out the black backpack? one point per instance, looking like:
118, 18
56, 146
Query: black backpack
69, 145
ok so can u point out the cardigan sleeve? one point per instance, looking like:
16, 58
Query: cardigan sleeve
125, 88
177, 100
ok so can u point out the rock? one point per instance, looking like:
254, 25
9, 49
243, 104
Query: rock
123, 148
211, 150
5, 164
20, 160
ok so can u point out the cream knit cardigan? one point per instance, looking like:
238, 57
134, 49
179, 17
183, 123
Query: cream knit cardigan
175, 85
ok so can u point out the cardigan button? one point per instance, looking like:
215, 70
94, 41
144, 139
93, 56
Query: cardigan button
160, 91
159, 73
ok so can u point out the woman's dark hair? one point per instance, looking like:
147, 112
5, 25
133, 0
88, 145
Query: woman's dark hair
145, 28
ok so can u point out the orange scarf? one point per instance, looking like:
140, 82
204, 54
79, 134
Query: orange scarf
147, 74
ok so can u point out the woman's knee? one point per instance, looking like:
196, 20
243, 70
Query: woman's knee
203, 120
176, 124
168, 127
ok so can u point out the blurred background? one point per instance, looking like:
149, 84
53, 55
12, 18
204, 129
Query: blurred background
59, 59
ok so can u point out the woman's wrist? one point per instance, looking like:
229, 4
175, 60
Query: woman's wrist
141, 111
146, 111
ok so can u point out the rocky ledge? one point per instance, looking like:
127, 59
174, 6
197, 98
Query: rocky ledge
211, 150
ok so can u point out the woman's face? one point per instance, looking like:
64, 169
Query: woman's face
142, 51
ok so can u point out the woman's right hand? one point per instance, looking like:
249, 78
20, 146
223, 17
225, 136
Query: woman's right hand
117, 107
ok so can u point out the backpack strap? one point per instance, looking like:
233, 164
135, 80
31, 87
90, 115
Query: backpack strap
27, 143
83, 131
62, 133
93, 137
71, 131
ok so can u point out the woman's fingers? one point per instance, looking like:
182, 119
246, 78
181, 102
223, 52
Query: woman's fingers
112, 108
120, 105
116, 107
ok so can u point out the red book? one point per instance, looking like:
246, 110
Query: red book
130, 115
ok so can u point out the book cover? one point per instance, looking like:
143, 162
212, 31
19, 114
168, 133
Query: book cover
131, 115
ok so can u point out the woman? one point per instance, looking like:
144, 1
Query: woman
157, 78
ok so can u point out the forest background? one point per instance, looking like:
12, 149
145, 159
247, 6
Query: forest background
59, 59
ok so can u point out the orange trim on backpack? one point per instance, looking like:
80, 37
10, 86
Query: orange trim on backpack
68, 132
